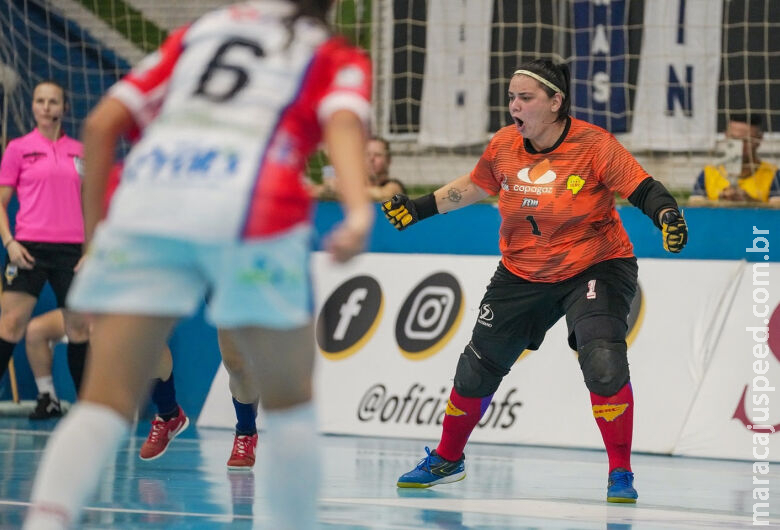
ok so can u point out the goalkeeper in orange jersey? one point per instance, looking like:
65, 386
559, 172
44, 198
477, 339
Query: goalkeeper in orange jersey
564, 252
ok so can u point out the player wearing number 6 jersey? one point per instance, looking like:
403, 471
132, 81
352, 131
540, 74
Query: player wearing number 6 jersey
564, 252
212, 199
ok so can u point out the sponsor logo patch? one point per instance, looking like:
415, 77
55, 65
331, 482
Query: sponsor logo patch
610, 411
452, 410
574, 184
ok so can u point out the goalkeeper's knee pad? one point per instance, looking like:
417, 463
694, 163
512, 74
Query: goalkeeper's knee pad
477, 375
604, 366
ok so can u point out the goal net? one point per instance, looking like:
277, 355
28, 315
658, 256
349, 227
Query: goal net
662, 75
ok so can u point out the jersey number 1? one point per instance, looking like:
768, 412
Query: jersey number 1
534, 227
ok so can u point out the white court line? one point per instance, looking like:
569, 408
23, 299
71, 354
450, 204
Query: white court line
48, 433
26, 432
226, 517
567, 511
218, 517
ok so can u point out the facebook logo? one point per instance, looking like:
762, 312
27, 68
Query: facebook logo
348, 317
349, 310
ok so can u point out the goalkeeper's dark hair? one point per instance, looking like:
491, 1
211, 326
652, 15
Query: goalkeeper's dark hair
315, 10
558, 75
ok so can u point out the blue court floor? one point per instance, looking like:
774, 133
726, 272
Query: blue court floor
507, 487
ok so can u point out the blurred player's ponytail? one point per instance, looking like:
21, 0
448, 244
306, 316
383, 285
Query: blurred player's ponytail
316, 10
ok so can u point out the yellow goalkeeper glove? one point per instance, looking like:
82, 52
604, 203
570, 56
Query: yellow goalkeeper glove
402, 211
674, 230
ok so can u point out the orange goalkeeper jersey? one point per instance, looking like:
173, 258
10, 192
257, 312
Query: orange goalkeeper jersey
557, 206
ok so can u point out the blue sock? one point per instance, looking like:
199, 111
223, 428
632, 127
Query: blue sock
164, 398
246, 413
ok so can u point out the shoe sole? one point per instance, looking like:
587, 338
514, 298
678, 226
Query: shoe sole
623, 500
175, 434
446, 480
241, 468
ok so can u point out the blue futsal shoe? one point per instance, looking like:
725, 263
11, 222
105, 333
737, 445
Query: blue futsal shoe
433, 470
620, 487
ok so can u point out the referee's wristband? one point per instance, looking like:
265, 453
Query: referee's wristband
5, 245
425, 206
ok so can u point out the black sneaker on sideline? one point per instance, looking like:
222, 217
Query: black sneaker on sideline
46, 408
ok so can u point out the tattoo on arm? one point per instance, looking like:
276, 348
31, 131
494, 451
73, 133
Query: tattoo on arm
454, 195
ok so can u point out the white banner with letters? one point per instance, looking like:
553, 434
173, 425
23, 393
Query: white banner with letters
454, 106
676, 102
396, 324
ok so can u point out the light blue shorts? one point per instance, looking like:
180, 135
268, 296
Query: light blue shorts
263, 282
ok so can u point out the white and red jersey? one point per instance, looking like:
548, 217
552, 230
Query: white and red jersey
229, 110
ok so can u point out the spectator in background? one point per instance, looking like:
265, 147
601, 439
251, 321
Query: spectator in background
43, 169
753, 180
381, 186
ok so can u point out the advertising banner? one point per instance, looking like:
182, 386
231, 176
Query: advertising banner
736, 413
391, 327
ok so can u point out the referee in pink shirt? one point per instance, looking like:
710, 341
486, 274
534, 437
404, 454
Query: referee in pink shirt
43, 169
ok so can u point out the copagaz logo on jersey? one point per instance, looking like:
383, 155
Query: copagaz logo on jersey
349, 317
536, 177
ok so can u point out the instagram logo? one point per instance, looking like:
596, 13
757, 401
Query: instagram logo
429, 313
429, 316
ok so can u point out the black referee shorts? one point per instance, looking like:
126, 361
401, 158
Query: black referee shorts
515, 314
54, 262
